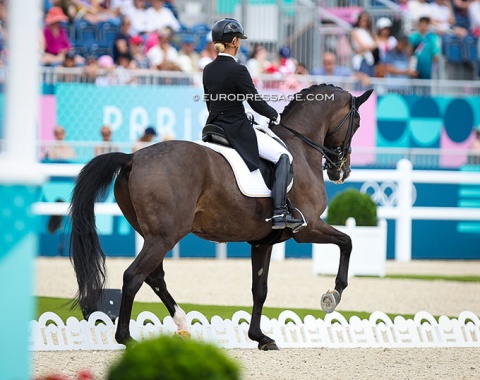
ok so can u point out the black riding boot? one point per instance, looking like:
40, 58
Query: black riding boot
281, 178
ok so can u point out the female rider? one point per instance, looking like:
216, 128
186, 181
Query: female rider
226, 84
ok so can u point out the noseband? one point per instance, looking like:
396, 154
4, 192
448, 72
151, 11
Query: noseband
335, 157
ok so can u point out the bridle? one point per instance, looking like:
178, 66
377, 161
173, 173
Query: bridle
337, 156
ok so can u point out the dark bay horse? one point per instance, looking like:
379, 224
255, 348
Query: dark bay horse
173, 188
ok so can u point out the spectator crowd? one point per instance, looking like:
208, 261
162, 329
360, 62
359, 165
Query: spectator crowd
148, 34
114, 36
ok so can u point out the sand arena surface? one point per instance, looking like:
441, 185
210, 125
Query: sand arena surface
292, 284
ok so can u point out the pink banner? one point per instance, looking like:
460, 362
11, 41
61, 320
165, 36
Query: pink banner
365, 137
48, 117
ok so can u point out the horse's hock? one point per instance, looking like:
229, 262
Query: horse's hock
369, 251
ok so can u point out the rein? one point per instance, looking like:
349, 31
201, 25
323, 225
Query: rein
339, 152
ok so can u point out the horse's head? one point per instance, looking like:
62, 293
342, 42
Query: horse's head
338, 139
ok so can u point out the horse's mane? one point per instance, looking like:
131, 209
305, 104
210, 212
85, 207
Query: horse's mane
301, 94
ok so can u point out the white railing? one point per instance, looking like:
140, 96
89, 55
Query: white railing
402, 209
460, 88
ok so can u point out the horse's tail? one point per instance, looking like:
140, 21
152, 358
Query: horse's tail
86, 254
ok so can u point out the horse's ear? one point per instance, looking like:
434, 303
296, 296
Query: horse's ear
363, 98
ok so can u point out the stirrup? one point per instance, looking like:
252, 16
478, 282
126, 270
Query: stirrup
281, 224
298, 226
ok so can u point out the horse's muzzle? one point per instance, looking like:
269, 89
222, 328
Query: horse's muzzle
338, 176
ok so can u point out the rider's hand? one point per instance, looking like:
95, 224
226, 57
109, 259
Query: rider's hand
276, 120
250, 115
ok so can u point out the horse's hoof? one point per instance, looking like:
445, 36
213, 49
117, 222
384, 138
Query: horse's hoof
330, 300
125, 340
183, 334
270, 346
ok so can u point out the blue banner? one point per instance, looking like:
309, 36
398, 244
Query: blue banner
174, 111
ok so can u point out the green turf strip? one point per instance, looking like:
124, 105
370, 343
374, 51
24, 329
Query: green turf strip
434, 277
59, 307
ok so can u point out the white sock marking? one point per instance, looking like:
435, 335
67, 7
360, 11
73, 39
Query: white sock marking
180, 319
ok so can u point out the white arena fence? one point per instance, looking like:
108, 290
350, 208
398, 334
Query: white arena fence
425, 87
401, 208
50, 333
378, 157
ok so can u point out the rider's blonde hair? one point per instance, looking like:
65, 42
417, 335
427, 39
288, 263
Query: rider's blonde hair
219, 46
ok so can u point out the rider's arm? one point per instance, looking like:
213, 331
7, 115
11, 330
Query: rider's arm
205, 92
246, 87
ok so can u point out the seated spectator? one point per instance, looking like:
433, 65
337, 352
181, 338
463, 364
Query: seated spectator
68, 62
442, 17
287, 65
461, 25
187, 57
94, 11
474, 17
364, 45
91, 70
68, 7
55, 37
208, 54
415, 10
121, 43
164, 56
159, 17
384, 39
397, 63
120, 7
301, 69
139, 17
59, 150
258, 62
145, 140
426, 48
123, 69
330, 68
107, 146
108, 76
140, 60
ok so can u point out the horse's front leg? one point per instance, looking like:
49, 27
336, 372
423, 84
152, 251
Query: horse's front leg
322, 233
260, 265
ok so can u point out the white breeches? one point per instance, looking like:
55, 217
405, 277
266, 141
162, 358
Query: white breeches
269, 149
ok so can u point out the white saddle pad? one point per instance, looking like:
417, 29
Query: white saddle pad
251, 184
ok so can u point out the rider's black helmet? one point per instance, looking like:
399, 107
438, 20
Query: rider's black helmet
226, 29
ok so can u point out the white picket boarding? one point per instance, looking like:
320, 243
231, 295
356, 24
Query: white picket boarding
50, 333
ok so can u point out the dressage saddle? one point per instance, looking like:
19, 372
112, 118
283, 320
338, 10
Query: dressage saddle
214, 134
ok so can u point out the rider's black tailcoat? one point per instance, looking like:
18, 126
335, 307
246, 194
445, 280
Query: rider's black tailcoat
223, 81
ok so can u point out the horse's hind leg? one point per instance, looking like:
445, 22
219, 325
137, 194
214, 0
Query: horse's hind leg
260, 266
153, 252
156, 280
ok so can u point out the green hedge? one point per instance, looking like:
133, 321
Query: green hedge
174, 358
352, 203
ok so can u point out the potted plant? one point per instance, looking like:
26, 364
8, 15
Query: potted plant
354, 214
